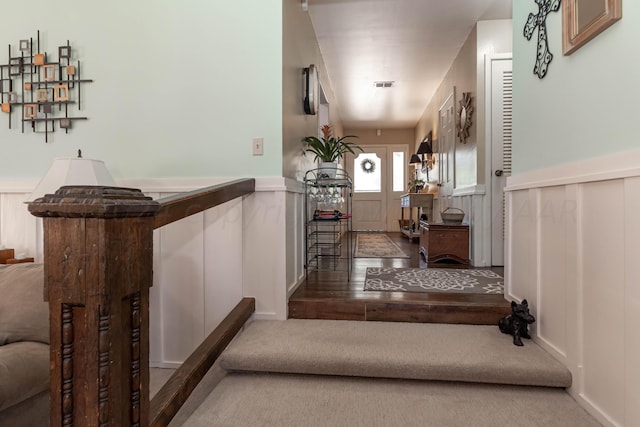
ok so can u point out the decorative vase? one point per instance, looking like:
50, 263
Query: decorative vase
329, 169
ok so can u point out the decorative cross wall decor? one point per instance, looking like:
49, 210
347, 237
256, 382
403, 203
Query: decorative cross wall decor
543, 56
41, 88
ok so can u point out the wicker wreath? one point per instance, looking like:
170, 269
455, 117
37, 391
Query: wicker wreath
368, 166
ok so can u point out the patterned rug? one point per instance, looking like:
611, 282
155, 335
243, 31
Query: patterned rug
433, 280
377, 245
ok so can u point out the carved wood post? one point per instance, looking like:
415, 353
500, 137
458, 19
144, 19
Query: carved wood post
98, 254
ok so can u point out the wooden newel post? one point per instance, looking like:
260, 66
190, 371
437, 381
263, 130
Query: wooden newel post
98, 254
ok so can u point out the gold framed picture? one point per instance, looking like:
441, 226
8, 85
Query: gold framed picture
582, 20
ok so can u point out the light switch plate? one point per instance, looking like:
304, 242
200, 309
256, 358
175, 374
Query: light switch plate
258, 146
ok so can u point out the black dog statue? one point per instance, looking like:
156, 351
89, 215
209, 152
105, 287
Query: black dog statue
517, 323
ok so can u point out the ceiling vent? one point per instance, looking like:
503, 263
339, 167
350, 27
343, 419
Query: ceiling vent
384, 84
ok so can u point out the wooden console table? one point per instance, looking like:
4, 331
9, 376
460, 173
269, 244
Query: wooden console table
421, 201
444, 243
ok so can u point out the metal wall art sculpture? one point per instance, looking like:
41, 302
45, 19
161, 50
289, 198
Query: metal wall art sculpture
543, 56
39, 89
465, 110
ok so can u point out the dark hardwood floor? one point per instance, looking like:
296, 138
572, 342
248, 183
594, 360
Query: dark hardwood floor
329, 295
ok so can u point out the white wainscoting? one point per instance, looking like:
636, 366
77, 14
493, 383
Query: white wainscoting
18, 228
203, 264
573, 251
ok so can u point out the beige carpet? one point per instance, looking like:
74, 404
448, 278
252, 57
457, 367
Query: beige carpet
425, 351
159, 377
297, 400
377, 245
266, 387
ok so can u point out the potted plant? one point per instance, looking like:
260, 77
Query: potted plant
329, 149
415, 185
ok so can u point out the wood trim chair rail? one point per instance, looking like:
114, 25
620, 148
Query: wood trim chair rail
182, 205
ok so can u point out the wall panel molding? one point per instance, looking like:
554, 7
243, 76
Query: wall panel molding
250, 237
632, 298
584, 275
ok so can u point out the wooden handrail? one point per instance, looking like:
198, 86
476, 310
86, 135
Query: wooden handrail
182, 205
184, 380
98, 268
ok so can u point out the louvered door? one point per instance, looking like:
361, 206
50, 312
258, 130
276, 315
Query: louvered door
501, 125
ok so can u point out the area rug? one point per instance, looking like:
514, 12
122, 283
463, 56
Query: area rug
433, 280
377, 245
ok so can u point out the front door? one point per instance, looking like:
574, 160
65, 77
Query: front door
369, 198
379, 179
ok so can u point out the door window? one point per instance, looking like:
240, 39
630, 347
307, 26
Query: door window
367, 176
399, 173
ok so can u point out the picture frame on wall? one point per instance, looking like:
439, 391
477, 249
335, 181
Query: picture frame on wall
582, 20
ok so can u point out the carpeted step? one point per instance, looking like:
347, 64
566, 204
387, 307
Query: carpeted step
261, 399
467, 353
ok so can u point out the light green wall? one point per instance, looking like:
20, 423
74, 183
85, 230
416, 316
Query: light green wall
180, 88
587, 105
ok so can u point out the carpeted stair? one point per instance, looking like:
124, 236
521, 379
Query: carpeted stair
345, 373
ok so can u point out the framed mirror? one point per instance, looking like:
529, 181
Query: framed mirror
582, 20
310, 102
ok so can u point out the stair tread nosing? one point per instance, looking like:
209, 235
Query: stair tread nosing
422, 351
268, 399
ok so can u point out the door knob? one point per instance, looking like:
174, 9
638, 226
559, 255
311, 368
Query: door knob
499, 172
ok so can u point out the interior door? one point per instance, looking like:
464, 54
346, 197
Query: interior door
447, 144
369, 188
501, 125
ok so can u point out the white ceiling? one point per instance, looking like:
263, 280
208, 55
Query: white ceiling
411, 42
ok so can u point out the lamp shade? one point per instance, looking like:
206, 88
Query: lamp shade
415, 159
72, 171
425, 148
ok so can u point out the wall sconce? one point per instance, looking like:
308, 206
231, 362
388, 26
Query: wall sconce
425, 146
425, 150
415, 159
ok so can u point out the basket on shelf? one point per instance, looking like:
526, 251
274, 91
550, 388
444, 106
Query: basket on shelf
452, 218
